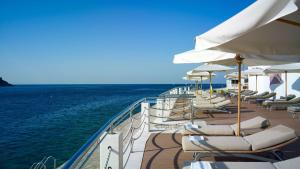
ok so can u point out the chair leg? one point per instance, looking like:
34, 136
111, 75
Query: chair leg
278, 154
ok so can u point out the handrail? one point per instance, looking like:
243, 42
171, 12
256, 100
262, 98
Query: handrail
82, 151
79, 154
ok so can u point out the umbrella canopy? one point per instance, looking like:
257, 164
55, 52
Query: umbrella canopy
222, 58
255, 72
194, 56
198, 76
195, 73
212, 68
235, 75
194, 78
269, 29
290, 68
286, 68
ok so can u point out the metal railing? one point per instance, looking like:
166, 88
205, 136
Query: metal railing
137, 122
43, 163
83, 154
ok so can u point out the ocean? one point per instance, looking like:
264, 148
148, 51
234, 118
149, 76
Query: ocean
56, 120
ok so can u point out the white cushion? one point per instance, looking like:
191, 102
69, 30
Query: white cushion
221, 143
270, 137
254, 123
223, 130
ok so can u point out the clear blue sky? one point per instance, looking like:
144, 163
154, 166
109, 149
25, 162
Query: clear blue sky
95, 41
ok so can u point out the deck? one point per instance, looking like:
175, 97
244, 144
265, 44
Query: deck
163, 149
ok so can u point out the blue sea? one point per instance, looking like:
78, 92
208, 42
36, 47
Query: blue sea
56, 120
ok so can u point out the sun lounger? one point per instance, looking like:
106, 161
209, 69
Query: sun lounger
264, 141
243, 93
288, 97
281, 104
210, 107
246, 98
292, 163
250, 126
261, 98
205, 101
248, 94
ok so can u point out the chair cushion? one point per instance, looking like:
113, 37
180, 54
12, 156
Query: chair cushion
256, 122
223, 130
217, 143
270, 137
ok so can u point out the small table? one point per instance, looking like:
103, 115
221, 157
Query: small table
294, 110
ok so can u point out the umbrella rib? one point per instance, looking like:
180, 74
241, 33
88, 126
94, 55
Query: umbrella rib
289, 22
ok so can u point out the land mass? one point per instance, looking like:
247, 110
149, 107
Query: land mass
4, 83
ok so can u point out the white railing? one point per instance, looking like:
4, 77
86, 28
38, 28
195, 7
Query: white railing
131, 122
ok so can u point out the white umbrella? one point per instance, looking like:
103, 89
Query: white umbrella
266, 30
286, 68
210, 68
194, 75
222, 58
255, 72
235, 75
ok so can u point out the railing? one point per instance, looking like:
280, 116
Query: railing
76, 161
43, 163
131, 132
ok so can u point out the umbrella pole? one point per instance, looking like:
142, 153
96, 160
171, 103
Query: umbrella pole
239, 61
256, 81
196, 87
210, 87
201, 84
285, 72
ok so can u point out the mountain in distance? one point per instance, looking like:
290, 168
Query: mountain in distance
4, 83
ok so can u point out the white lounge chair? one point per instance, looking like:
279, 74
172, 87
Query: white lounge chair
249, 126
264, 141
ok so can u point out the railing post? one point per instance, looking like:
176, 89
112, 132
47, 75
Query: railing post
111, 151
111, 130
192, 112
145, 108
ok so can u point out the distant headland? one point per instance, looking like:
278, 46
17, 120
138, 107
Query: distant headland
4, 83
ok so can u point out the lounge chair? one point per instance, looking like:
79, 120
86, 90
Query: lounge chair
246, 98
244, 92
248, 94
266, 104
214, 100
282, 105
249, 126
265, 141
211, 107
260, 100
287, 98
292, 163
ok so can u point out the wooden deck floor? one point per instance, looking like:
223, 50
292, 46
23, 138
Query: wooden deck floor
164, 151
